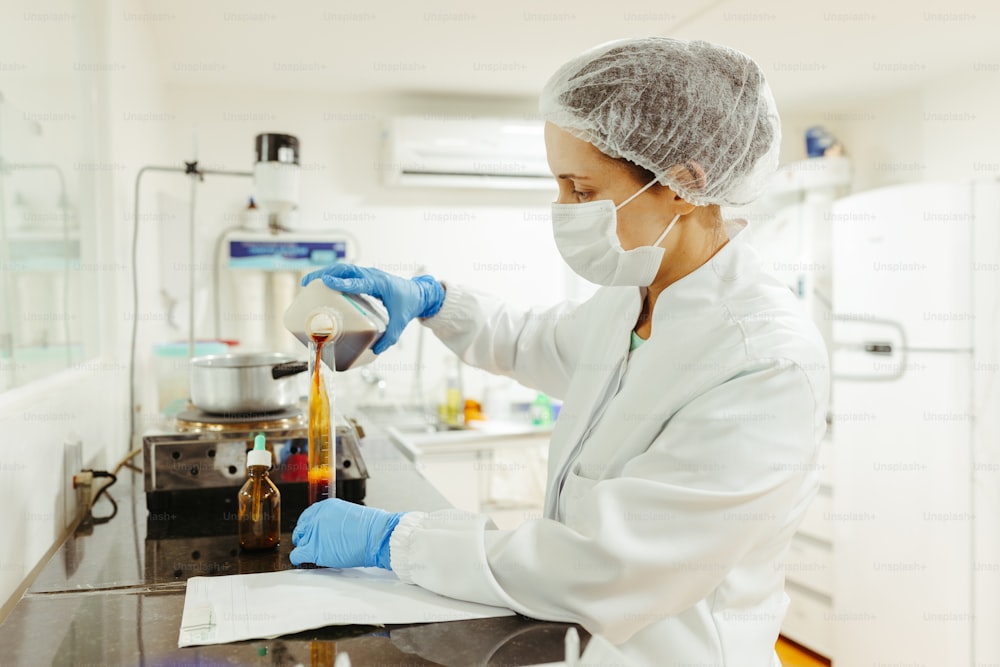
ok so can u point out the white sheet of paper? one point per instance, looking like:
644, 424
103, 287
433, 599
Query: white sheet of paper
257, 606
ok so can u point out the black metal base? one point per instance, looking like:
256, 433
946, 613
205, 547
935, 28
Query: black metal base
208, 512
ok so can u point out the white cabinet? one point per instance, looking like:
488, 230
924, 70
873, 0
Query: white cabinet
809, 564
818, 521
809, 619
809, 568
500, 472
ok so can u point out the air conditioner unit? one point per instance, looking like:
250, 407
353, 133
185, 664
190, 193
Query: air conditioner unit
464, 152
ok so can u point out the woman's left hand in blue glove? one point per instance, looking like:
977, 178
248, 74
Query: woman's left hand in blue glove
336, 533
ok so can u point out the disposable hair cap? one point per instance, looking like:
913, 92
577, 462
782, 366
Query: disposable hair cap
699, 116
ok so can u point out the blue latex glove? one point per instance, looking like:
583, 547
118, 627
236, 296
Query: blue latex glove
336, 533
404, 298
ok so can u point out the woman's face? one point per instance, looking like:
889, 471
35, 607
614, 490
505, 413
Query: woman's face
585, 174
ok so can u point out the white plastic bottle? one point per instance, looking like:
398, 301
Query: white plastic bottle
352, 323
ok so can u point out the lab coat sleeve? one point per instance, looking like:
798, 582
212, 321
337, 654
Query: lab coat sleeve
538, 347
731, 470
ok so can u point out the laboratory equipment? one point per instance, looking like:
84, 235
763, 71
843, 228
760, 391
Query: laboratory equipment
259, 517
241, 383
261, 279
196, 467
265, 265
339, 330
320, 473
173, 372
276, 174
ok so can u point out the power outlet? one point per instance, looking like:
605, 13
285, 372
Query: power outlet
75, 497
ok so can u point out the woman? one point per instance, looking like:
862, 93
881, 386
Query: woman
695, 391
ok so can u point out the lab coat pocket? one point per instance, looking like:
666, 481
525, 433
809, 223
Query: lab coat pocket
574, 489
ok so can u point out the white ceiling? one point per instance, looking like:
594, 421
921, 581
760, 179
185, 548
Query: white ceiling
814, 53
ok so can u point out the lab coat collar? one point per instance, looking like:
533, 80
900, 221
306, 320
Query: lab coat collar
693, 293
734, 261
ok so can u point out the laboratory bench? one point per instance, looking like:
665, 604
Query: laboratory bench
113, 594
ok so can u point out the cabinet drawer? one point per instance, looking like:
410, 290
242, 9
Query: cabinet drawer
810, 563
809, 620
818, 522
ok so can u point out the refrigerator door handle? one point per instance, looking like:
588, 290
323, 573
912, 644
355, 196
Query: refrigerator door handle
879, 347
882, 348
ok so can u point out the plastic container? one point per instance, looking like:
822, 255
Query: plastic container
354, 323
818, 141
541, 410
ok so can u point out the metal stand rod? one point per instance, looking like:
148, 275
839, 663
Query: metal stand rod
191, 169
194, 192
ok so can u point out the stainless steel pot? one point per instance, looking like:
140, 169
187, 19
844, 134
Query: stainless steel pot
247, 383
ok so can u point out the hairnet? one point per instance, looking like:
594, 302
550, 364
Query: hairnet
699, 116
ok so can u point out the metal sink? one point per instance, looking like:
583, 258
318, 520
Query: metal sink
416, 431
397, 414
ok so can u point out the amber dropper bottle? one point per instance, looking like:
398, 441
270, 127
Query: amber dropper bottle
259, 502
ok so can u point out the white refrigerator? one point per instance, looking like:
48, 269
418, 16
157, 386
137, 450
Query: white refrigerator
915, 405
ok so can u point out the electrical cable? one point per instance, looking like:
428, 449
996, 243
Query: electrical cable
102, 491
98, 520
125, 461
102, 473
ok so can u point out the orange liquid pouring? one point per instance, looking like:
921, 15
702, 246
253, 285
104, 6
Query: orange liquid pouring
320, 458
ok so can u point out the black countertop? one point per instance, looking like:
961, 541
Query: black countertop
111, 595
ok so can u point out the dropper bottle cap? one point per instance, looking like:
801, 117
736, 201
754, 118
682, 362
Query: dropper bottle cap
259, 456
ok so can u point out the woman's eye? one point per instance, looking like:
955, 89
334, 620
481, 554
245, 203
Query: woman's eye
581, 196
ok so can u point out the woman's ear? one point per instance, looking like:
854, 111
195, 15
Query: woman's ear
690, 174
670, 197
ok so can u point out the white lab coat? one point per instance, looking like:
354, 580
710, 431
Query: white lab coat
677, 473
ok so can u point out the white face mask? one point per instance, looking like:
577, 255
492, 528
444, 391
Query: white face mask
587, 237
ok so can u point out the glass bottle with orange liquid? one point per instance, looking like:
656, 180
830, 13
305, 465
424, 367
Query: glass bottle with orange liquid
259, 502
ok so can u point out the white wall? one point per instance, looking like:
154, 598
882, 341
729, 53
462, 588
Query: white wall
945, 129
89, 400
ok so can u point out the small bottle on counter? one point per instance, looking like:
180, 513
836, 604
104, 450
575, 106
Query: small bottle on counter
453, 403
541, 410
259, 502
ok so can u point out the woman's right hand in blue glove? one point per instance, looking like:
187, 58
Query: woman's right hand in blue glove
404, 298
336, 533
